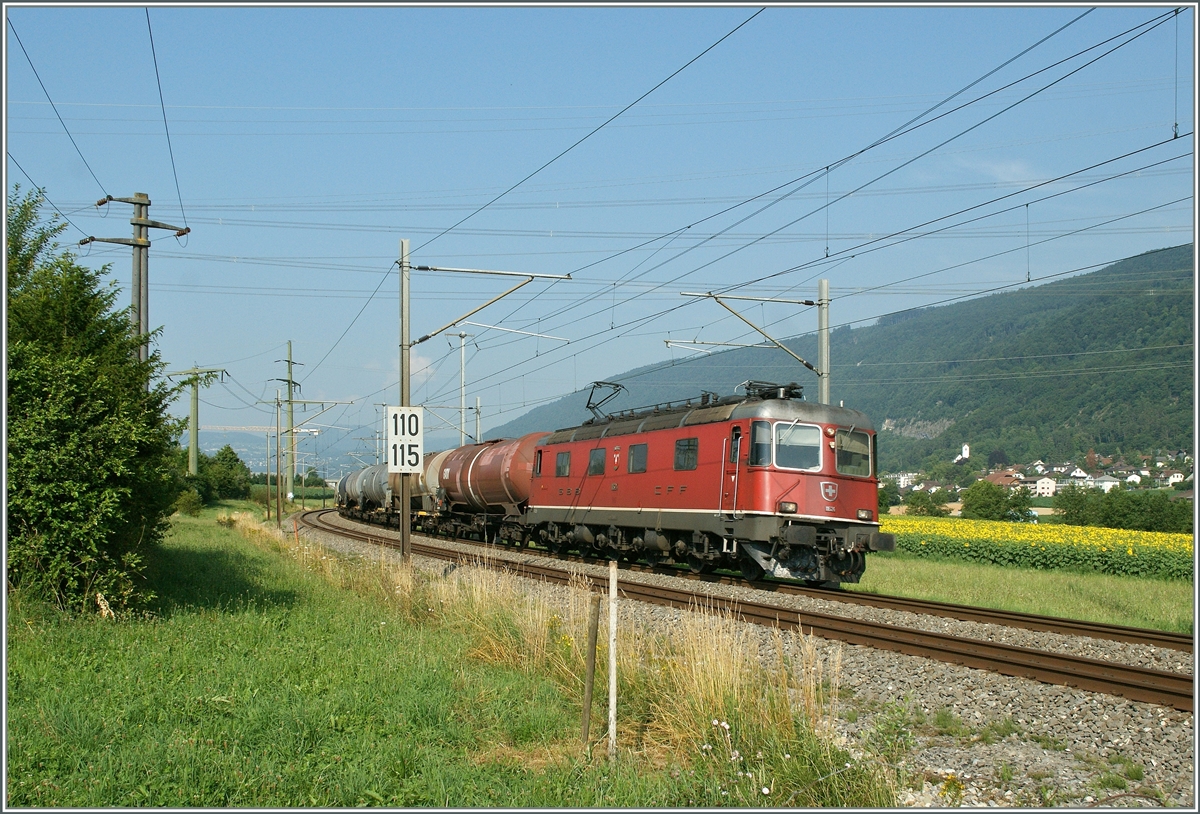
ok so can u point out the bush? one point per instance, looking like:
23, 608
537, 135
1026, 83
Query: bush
189, 503
91, 473
920, 503
1143, 510
984, 500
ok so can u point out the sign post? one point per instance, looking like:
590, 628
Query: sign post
405, 452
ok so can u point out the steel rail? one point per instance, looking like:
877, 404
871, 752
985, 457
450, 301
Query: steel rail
1135, 683
1027, 621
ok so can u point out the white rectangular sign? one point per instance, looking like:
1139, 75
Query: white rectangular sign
405, 439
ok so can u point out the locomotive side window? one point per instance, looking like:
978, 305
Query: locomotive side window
686, 453
637, 458
562, 465
735, 445
760, 443
853, 453
797, 446
537, 464
596, 461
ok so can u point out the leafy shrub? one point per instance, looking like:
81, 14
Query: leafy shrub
91, 477
189, 503
1123, 509
920, 503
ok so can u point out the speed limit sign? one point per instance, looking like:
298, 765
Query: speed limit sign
405, 439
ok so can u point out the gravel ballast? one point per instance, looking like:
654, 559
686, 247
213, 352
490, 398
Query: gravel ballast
961, 736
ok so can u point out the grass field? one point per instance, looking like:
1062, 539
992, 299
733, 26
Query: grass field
269, 676
1136, 602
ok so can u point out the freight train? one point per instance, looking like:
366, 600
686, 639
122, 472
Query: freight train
765, 483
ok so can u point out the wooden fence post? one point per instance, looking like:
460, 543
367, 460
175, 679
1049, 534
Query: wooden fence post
590, 676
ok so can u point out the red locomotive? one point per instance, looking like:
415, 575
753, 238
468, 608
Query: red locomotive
764, 482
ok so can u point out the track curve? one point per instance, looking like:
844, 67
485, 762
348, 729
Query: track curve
1135, 683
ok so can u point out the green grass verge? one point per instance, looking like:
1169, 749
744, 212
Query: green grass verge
1132, 601
256, 682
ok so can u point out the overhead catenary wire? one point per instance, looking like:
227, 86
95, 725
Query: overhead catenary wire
166, 129
863, 248
654, 368
594, 131
547, 164
903, 129
51, 101
941, 144
860, 249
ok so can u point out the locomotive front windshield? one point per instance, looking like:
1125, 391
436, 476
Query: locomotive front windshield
853, 453
797, 446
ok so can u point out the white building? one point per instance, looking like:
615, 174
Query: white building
1107, 483
1044, 487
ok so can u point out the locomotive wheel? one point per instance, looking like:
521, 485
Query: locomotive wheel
751, 570
699, 566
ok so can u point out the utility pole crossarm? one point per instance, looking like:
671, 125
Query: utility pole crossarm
489, 271
139, 310
471, 313
770, 338
140, 243
751, 299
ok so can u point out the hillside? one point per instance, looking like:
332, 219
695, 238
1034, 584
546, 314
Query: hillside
1098, 361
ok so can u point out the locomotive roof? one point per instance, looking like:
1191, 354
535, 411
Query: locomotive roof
725, 409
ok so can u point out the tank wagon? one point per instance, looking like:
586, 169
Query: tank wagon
766, 483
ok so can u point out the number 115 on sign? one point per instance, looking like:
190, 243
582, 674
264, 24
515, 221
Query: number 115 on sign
405, 439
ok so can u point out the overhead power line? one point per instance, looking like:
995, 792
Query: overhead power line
812, 176
42, 192
56, 113
163, 105
539, 169
593, 132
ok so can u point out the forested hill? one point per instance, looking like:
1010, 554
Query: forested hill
1098, 361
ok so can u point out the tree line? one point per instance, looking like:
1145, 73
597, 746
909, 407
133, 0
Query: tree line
1141, 510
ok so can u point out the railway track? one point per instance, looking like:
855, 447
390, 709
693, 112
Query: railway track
1134, 683
1028, 621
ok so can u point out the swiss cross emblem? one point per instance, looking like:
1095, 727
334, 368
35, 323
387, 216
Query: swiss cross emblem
829, 490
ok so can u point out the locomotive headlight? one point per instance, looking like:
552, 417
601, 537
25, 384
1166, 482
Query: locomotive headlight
787, 507
866, 514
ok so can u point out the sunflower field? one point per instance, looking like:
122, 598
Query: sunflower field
1077, 548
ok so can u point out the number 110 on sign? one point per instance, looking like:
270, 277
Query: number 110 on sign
405, 439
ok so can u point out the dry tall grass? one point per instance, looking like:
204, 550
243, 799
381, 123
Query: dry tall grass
678, 689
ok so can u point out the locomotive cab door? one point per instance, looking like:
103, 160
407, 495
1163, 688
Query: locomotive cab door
731, 472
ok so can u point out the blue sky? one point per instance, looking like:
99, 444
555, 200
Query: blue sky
308, 141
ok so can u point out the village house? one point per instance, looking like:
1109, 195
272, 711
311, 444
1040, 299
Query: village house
1044, 487
1008, 478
